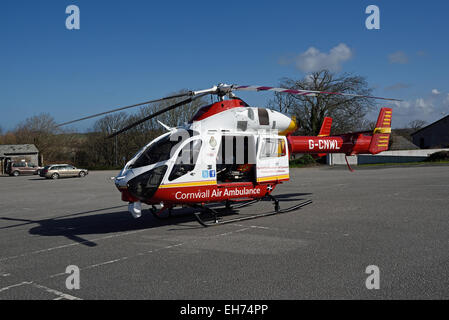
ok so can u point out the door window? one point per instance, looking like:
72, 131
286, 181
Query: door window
186, 159
272, 148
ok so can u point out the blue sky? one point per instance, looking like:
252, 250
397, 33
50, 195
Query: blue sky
131, 51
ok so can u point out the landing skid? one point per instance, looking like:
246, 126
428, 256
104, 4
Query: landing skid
217, 220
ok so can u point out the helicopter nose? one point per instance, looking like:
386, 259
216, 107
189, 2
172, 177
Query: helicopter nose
292, 127
126, 195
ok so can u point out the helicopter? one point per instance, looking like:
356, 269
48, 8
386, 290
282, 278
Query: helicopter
229, 153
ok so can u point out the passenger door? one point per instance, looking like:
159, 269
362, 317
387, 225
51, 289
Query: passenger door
72, 171
31, 168
63, 171
272, 159
187, 166
19, 166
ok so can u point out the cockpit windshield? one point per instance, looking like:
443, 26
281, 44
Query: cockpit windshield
161, 150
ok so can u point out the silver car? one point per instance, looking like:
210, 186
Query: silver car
57, 171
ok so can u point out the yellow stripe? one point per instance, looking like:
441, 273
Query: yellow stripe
188, 184
382, 145
387, 116
382, 130
323, 135
272, 178
381, 141
388, 112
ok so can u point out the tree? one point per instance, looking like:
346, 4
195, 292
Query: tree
347, 112
41, 123
417, 124
39, 130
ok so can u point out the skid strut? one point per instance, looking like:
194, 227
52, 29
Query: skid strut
216, 220
157, 213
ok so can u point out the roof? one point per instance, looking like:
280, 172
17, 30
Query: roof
11, 149
430, 125
401, 143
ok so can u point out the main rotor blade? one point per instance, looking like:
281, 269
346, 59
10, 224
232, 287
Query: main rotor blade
189, 93
304, 92
176, 105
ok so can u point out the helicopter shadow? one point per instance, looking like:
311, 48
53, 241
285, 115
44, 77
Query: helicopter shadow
108, 221
75, 226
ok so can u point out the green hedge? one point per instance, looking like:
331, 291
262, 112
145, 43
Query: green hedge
305, 160
439, 156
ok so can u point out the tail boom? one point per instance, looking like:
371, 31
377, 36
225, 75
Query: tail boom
350, 143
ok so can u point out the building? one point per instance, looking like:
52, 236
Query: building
435, 135
16, 153
400, 150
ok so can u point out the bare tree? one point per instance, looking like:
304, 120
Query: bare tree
347, 112
39, 130
417, 124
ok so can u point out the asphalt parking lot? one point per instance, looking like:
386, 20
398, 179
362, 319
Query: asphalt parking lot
393, 218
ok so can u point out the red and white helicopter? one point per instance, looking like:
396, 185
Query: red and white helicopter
229, 153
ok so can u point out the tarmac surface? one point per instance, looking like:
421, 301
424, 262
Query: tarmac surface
394, 218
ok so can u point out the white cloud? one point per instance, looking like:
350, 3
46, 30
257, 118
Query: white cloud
446, 103
435, 91
398, 57
424, 105
429, 108
314, 60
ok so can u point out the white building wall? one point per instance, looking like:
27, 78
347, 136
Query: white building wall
397, 156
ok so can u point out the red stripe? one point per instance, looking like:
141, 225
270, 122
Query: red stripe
264, 88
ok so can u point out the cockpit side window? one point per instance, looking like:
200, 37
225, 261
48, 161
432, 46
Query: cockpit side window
186, 159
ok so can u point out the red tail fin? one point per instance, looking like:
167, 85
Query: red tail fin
381, 134
325, 130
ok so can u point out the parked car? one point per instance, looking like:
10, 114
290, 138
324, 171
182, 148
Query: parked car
57, 171
19, 168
